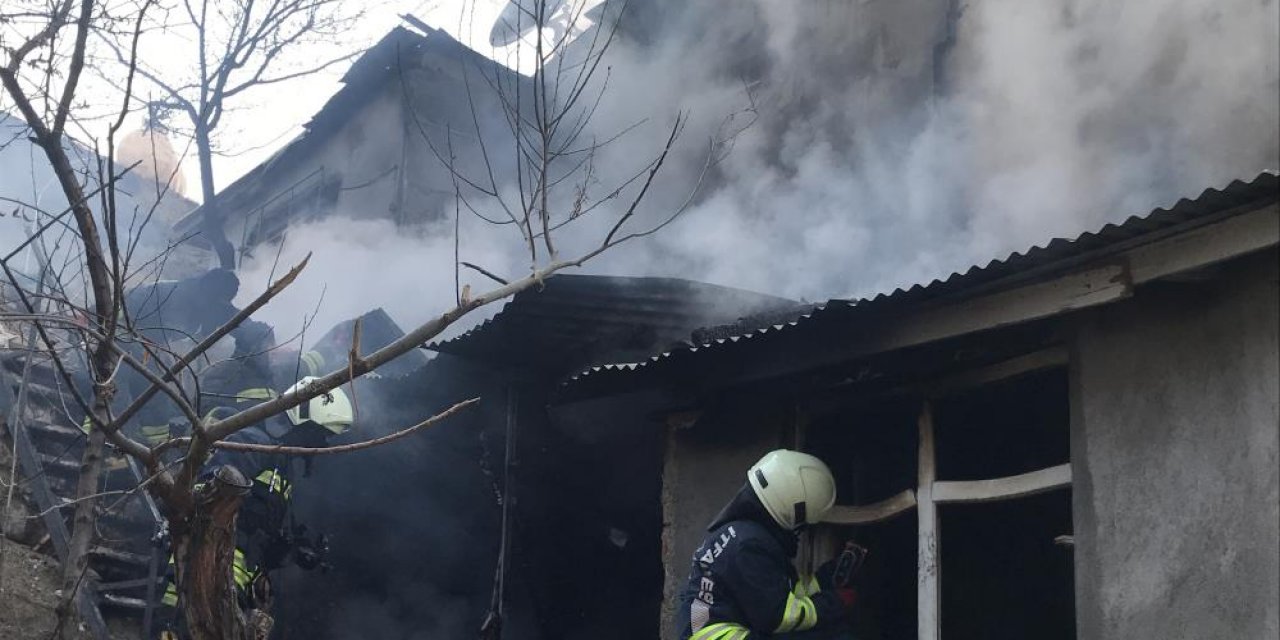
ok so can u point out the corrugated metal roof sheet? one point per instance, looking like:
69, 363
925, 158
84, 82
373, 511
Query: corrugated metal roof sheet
576, 320
1059, 253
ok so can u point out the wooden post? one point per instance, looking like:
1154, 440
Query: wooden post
927, 600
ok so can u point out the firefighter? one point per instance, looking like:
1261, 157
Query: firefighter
266, 532
171, 316
246, 378
267, 537
270, 537
742, 583
226, 387
168, 311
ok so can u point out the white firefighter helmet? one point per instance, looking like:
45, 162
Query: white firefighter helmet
796, 488
331, 410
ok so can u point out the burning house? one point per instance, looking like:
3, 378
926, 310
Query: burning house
1075, 441
500, 510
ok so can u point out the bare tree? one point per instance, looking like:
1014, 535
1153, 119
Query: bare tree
547, 182
48, 130
236, 47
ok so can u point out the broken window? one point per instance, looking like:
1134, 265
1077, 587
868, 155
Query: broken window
964, 500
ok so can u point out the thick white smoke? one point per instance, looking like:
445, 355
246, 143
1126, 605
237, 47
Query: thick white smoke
896, 144
359, 265
891, 143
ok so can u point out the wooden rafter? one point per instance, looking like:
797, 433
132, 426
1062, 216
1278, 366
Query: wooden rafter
1007, 488
875, 512
1003, 370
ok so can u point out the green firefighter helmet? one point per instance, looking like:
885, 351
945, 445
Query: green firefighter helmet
797, 489
331, 410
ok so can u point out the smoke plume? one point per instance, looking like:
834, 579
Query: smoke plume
888, 143
897, 142
870, 145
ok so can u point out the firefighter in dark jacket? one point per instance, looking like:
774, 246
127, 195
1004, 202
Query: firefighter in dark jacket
267, 538
743, 584
266, 535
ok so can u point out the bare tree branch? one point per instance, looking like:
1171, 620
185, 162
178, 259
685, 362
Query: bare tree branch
230, 445
77, 66
272, 291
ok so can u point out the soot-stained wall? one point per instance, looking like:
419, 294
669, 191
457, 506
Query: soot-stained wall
1174, 450
353, 173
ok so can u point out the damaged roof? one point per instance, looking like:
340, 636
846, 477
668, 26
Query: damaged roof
1020, 267
578, 320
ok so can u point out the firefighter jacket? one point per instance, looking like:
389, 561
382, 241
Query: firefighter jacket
263, 526
262, 518
743, 584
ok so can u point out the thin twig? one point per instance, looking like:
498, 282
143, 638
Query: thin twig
342, 448
485, 272
352, 358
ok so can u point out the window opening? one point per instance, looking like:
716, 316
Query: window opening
967, 495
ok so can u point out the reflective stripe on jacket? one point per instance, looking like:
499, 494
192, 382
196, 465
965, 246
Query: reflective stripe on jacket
722, 631
275, 482
742, 584
257, 394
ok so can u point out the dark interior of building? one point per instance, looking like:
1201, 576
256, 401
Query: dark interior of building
880, 438
1002, 575
1005, 428
416, 541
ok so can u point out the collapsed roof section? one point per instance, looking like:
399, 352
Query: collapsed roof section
779, 347
574, 321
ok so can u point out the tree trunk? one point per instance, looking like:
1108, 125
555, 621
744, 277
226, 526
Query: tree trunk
212, 215
75, 565
101, 365
204, 553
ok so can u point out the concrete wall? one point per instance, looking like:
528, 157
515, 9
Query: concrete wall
704, 467
1174, 447
366, 155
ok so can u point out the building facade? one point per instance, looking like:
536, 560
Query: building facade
1077, 442
375, 150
